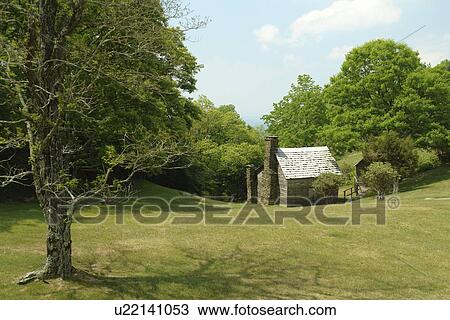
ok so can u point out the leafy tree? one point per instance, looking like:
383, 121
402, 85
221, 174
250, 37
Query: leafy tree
222, 124
219, 170
340, 139
362, 95
94, 87
326, 184
380, 177
444, 64
422, 110
223, 144
391, 148
299, 116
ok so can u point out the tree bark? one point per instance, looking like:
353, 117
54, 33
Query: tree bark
59, 245
45, 140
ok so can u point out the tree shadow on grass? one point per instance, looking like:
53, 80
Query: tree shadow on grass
13, 214
423, 179
241, 275
235, 275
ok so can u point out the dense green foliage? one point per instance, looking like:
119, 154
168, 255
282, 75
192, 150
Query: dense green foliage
138, 94
380, 177
427, 160
362, 95
382, 86
299, 116
348, 172
422, 111
326, 184
223, 144
121, 79
389, 147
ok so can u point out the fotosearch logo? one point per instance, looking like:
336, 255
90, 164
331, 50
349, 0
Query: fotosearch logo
186, 210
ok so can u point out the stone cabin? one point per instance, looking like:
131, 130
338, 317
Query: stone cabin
288, 173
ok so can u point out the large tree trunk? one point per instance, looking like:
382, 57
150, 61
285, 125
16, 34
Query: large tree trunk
46, 173
58, 263
59, 245
45, 140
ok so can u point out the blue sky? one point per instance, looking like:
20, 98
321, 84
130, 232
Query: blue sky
252, 50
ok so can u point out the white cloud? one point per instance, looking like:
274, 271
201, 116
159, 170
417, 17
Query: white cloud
346, 15
266, 34
433, 48
338, 53
433, 57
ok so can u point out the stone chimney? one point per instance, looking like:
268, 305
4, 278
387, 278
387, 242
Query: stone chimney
252, 184
270, 190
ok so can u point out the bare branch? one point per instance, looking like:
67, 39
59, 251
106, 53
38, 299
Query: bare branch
12, 121
14, 176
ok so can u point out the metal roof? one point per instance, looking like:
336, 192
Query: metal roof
308, 162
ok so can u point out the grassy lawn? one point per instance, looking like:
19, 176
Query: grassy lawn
351, 158
408, 258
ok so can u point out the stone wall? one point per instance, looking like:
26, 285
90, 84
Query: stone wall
252, 184
298, 188
259, 179
283, 185
270, 191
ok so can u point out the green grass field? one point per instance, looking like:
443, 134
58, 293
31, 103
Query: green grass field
408, 258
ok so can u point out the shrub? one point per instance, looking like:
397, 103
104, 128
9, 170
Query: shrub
380, 177
391, 148
348, 172
326, 184
427, 160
